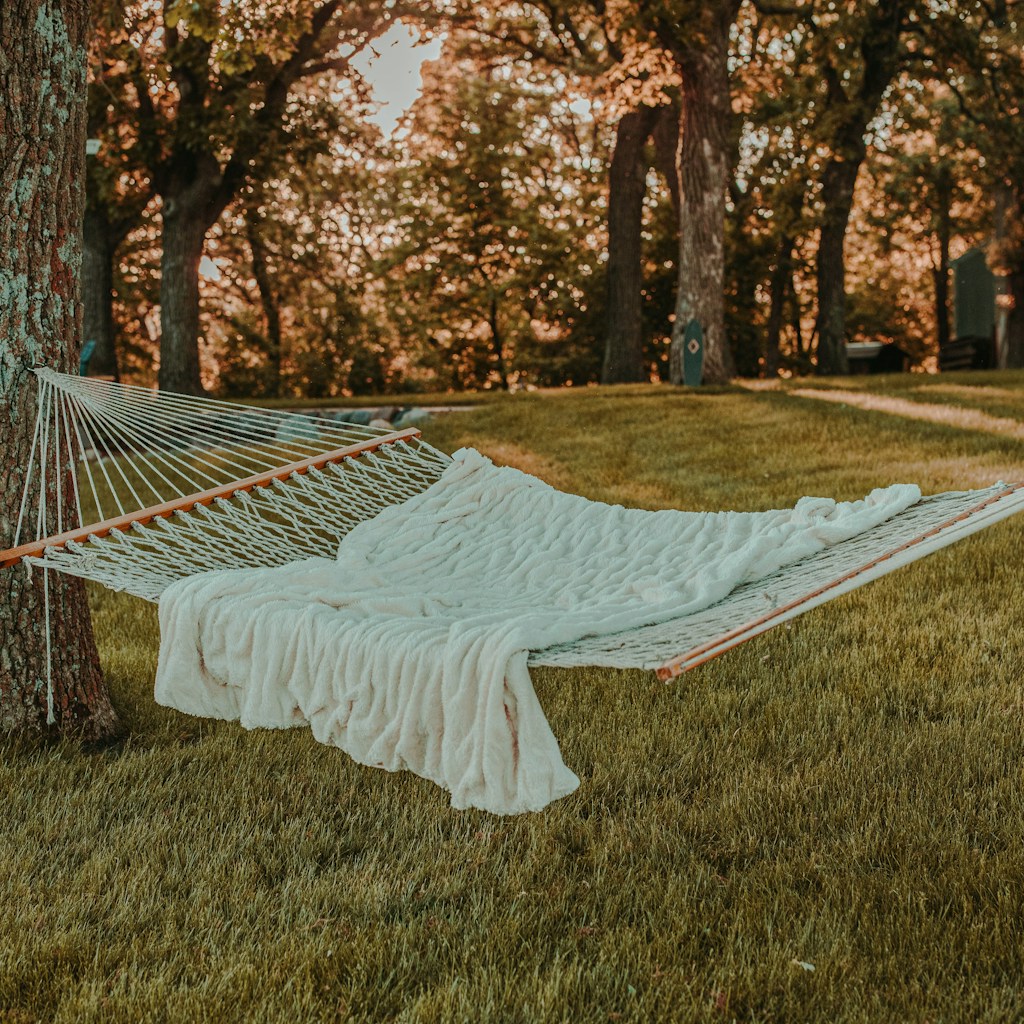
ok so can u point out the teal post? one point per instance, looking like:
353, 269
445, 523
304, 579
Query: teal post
693, 355
83, 363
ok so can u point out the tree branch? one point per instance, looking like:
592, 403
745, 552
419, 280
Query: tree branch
268, 116
335, 64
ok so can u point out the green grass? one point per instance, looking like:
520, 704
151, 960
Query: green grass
846, 793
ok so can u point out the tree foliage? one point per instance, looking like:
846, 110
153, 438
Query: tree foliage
806, 173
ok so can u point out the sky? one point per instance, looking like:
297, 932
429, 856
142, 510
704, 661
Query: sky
392, 67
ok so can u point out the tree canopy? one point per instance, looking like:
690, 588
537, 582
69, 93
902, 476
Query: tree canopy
576, 181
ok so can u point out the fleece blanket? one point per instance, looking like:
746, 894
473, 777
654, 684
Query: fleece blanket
409, 650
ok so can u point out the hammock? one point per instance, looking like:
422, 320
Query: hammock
167, 488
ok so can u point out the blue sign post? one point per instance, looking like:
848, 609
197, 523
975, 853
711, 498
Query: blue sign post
83, 363
693, 355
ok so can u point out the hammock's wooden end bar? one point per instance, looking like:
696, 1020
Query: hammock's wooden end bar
190, 501
952, 529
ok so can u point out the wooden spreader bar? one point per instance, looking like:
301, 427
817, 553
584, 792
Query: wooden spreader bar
711, 649
146, 515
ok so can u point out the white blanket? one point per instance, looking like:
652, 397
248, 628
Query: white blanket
410, 650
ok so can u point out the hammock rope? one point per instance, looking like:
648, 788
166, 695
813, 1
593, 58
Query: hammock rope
259, 484
135, 489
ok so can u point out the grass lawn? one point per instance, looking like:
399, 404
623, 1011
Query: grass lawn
823, 825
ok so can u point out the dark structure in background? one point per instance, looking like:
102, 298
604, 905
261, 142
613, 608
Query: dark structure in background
876, 357
979, 317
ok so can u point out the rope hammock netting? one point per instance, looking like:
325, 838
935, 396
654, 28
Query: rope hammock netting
165, 488
170, 485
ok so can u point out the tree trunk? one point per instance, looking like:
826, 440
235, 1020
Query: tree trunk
1009, 346
271, 312
796, 313
941, 271
779, 284
99, 247
837, 187
497, 341
182, 238
705, 163
627, 186
880, 54
42, 136
666, 149
190, 209
1015, 321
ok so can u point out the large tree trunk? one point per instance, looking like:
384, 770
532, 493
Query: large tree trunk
99, 248
705, 164
182, 238
627, 186
189, 211
42, 136
837, 187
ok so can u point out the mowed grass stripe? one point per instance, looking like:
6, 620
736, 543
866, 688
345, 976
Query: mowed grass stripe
844, 793
954, 416
998, 393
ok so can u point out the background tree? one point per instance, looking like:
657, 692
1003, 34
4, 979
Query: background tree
826, 197
42, 137
294, 309
854, 51
631, 86
924, 203
698, 37
627, 187
491, 213
655, 119
210, 86
981, 47
117, 192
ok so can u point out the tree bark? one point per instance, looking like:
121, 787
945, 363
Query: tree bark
271, 312
943, 232
179, 305
42, 136
187, 215
99, 249
850, 114
666, 149
779, 284
797, 323
627, 186
838, 183
705, 162
497, 341
110, 215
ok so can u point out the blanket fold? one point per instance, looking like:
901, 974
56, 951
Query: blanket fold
409, 650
